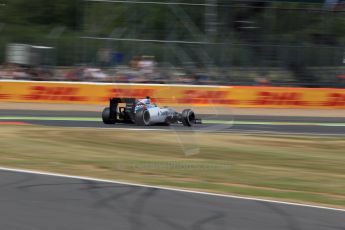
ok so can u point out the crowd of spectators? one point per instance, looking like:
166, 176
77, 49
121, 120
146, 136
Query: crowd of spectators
19, 72
145, 70
127, 74
141, 69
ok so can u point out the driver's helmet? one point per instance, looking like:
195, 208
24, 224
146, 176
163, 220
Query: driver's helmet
145, 101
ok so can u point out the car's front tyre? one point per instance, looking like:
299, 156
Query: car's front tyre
188, 117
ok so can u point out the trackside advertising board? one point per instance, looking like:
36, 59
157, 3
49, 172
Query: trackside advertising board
233, 96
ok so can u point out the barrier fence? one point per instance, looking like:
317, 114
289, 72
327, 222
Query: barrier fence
170, 95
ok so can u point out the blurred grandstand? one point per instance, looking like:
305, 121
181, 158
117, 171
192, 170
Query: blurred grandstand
280, 43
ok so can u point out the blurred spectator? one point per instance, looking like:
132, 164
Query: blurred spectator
146, 64
76, 74
5, 72
116, 58
20, 73
202, 79
262, 81
85, 74
94, 74
134, 63
341, 78
104, 56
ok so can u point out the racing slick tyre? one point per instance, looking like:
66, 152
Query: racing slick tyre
142, 117
106, 117
188, 117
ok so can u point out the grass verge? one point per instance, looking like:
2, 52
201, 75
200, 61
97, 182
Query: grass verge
300, 169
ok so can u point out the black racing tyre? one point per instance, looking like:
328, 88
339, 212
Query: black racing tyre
106, 117
188, 117
142, 117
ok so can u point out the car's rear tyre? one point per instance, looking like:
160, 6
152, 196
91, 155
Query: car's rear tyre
142, 117
106, 117
188, 117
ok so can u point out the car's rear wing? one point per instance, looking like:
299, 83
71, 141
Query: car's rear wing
117, 100
114, 103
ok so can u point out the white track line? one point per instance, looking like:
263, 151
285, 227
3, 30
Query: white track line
165, 188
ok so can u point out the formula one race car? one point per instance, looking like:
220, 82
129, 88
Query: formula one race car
143, 112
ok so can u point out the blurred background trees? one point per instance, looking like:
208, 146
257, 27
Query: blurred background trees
258, 32
41, 12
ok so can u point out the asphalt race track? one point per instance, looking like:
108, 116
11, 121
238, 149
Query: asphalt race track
32, 201
212, 123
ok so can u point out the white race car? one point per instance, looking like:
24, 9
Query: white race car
144, 112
